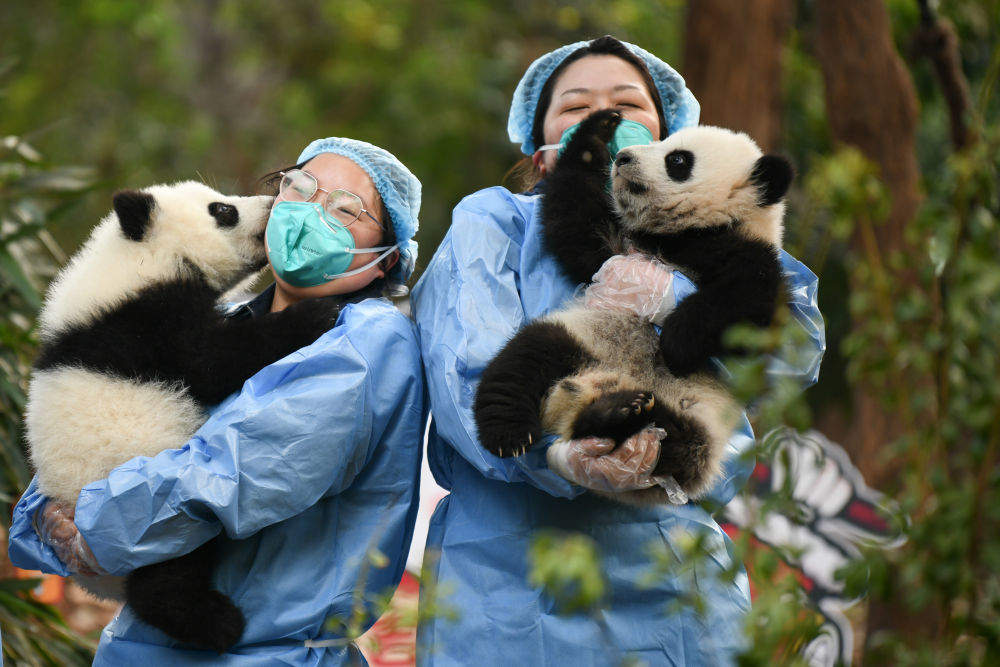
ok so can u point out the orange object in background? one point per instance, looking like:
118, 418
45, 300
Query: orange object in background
50, 590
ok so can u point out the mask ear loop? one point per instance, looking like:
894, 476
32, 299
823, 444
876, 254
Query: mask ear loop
361, 269
550, 147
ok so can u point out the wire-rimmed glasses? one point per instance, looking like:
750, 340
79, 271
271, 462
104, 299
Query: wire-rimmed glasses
345, 206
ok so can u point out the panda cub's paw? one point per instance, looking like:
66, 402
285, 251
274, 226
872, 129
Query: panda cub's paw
505, 443
617, 415
588, 148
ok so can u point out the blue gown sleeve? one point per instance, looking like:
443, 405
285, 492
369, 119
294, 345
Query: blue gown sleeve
467, 306
300, 430
801, 364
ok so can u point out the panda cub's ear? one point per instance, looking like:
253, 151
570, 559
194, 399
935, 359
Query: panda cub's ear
134, 210
771, 175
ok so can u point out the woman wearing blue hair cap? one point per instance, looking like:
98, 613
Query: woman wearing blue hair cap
489, 277
307, 479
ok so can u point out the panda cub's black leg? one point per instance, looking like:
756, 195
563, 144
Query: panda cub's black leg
684, 451
176, 596
577, 215
616, 415
509, 397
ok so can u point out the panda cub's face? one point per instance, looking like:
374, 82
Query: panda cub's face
189, 225
701, 177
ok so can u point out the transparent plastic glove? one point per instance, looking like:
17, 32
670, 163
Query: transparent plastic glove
54, 525
595, 463
634, 282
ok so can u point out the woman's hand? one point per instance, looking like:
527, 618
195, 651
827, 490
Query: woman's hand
54, 525
596, 464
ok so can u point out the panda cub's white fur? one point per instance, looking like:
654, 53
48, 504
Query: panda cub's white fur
134, 350
82, 423
110, 267
718, 191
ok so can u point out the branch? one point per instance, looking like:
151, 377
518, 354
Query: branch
937, 41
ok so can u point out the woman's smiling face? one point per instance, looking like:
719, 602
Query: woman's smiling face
592, 83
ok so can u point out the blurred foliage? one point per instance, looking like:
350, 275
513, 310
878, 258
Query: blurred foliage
33, 194
938, 362
567, 566
35, 633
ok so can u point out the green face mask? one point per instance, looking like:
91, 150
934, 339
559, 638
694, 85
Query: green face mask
628, 133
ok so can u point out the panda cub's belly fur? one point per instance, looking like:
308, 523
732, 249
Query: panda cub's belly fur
623, 346
82, 424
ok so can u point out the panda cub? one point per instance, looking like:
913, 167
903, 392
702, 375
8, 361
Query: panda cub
134, 348
704, 200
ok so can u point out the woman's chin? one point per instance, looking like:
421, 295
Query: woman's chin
336, 286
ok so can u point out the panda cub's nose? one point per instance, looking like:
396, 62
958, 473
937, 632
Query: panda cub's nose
623, 158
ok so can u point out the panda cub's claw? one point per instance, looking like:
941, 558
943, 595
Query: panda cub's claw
601, 124
588, 146
507, 444
617, 415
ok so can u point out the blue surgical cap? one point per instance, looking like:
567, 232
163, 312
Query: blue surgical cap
680, 108
396, 185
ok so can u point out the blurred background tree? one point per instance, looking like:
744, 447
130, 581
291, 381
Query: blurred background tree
889, 113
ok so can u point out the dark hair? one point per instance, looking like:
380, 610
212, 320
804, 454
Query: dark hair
524, 175
268, 185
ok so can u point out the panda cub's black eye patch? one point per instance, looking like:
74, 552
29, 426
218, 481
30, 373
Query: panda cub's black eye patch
679, 165
225, 215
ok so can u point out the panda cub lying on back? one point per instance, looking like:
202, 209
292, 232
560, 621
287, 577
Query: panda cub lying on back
134, 349
704, 200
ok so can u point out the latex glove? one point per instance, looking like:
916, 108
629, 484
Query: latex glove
633, 282
54, 525
595, 463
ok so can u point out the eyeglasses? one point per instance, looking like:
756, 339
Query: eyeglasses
345, 206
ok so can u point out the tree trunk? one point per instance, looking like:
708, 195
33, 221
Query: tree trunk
733, 64
871, 104
870, 100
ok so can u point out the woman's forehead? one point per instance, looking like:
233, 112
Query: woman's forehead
598, 73
336, 171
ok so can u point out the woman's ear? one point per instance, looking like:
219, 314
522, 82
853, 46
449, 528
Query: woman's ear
386, 264
537, 160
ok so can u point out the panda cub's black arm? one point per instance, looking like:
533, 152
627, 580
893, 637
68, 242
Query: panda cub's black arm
739, 281
232, 350
578, 220
510, 393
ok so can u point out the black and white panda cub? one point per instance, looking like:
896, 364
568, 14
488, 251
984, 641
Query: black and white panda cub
704, 200
134, 349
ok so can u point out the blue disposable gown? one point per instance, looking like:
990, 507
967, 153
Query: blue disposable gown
489, 277
304, 473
